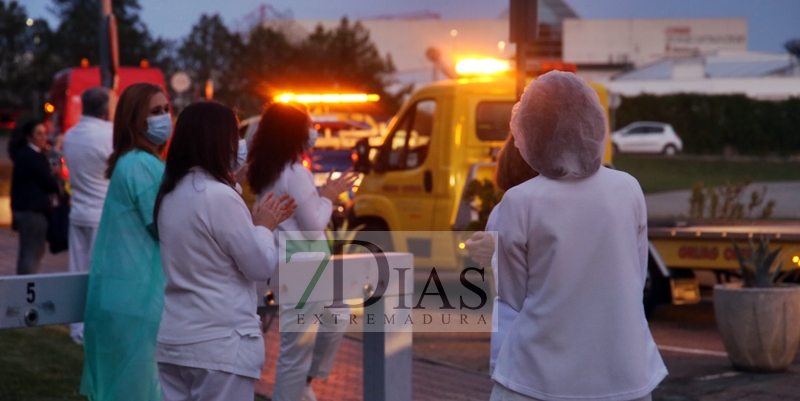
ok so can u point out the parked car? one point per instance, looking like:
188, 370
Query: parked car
647, 137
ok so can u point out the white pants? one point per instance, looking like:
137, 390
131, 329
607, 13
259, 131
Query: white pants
502, 393
181, 383
81, 243
306, 354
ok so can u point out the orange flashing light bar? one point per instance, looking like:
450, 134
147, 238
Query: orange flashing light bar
49, 108
328, 98
483, 66
542, 67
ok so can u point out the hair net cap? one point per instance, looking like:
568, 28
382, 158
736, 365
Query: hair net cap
559, 126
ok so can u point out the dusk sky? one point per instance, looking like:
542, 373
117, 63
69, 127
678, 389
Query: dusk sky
770, 22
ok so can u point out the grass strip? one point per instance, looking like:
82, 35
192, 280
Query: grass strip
39, 364
658, 174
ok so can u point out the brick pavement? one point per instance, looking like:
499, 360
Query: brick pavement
431, 381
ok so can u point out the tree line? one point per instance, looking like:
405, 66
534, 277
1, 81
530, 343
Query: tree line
247, 68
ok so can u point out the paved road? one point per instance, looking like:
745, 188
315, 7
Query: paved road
676, 203
699, 370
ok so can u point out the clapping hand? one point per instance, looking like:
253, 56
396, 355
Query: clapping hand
334, 187
481, 247
241, 173
271, 211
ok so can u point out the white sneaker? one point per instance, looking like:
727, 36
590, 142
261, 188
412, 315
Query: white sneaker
308, 394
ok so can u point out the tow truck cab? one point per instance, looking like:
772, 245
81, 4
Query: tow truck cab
446, 135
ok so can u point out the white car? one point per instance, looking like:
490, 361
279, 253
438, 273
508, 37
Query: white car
647, 137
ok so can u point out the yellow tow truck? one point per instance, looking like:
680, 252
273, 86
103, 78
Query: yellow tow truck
448, 134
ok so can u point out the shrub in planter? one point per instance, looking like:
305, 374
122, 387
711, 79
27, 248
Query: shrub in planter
759, 318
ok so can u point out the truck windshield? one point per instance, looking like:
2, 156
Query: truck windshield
408, 143
492, 120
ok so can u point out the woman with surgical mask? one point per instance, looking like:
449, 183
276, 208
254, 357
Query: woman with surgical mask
572, 246
283, 135
125, 294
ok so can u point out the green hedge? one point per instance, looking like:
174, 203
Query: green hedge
707, 124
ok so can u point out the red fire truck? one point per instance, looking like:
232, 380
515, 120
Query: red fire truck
64, 105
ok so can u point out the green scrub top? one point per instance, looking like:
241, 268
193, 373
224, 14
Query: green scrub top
125, 294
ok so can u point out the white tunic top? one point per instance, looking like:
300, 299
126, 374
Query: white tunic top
573, 255
87, 147
503, 316
309, 220
212, 255
313, 211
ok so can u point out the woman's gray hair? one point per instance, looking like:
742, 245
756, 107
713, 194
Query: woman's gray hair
560, 126
95, 102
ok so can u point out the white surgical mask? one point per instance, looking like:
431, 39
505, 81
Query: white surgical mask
312, 139
159, 128
241, 156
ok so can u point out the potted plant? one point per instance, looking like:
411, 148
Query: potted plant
759, 318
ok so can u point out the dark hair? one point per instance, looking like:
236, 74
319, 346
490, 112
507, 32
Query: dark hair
206, 135
511, 169
130, 120
279, 139
19, 137
94, 102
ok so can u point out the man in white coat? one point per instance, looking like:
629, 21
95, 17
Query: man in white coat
87, 146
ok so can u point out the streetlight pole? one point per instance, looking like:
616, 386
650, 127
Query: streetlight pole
524, 28
109, 54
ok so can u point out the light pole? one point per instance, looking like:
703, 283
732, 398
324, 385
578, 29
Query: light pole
109, 54
524, 28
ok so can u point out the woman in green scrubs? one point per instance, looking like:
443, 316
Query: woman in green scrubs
126, 282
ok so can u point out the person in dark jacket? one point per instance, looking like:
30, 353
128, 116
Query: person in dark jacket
32, 183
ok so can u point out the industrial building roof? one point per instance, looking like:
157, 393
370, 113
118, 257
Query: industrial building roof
720, 64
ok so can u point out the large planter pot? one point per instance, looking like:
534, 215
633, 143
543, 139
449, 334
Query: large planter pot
760, 327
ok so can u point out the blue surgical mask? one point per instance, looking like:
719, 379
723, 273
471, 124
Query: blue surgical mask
159, 128
241, 156
312, 139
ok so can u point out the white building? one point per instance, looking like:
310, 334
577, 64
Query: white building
603, 48
756, 75
632, 56
408, 39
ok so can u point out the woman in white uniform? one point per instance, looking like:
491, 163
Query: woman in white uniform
511, 171
213, 250
573, 249
283, 135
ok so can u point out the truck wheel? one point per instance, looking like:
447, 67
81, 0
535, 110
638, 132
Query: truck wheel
656, 289
670, 150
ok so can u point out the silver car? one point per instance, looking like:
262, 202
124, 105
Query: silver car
647, 137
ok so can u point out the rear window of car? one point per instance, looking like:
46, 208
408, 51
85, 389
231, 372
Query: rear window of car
492, 120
